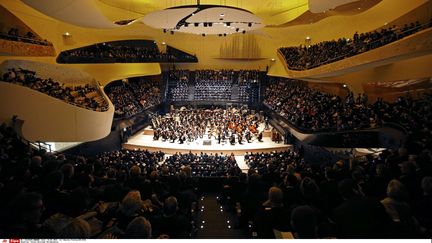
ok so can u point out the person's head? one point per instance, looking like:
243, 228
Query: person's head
135, 171
27, 208
36, 161
397, 191
304, 222
139, 228
131, 203
76, 229
68, 170
275, 197
170, 206
426, 185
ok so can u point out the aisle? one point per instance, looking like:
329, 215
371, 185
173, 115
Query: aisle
214, 222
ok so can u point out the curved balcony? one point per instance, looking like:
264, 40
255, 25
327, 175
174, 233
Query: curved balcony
125, 51
389, 135
410, 46
47, 118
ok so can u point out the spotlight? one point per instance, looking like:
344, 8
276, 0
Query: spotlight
249, 24
237, 29
196, 24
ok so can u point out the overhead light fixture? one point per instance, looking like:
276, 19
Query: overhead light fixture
66, 34
163, 43
221, 14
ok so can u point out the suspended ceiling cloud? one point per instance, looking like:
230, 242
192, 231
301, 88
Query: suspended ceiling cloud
204, 19
77, 12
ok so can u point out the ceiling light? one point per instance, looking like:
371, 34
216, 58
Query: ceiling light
222, 15
163, 43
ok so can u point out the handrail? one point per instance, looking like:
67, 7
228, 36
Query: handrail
355, 46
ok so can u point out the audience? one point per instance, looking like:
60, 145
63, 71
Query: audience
132, 96
218, 85
84, 96
311, 56
124, 52
15, 35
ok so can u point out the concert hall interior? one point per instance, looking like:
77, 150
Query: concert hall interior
215, 119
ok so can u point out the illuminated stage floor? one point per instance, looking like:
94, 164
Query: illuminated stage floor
144, 140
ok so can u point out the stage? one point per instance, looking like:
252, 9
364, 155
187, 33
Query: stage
144, 140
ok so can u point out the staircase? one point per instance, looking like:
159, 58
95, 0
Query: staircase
234, 92
214, 222
191, 92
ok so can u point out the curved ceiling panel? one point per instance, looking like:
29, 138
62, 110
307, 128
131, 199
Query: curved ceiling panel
83, 13
318, 6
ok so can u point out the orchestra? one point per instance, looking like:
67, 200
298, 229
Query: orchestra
191, 124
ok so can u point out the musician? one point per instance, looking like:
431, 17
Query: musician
248, 137
240, 138
260, 136
232, 139
219, 137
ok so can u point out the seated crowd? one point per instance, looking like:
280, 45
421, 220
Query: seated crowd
312, 110
178, 85
84, 96
248, 83
311, 56
15, 35
213, 84
216, 85
123, 53
187, 125
132, 96
142, 194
